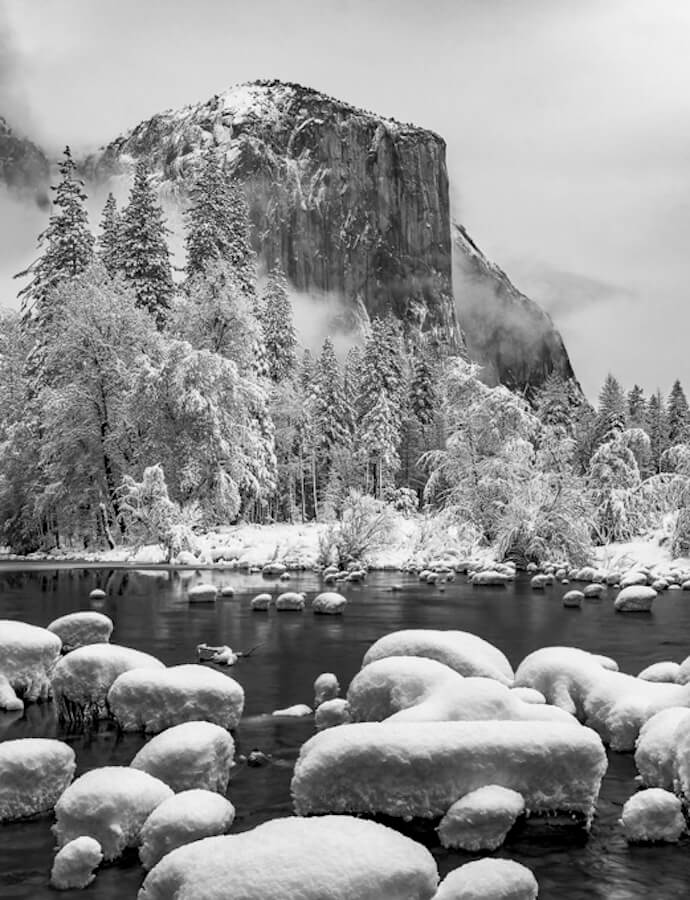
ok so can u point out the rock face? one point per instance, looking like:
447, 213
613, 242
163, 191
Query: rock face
23, 166
351, 202
506, 332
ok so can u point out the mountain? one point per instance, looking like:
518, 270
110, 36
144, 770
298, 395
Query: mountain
507, 333
24, 167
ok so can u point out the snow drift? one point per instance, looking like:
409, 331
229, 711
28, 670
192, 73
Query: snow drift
33, 774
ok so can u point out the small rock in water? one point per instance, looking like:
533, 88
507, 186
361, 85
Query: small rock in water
97, 594
297, 711
227, 591
256, 758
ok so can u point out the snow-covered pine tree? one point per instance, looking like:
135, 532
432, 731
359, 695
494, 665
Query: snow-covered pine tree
423, 399
658, 429
611, 412
239, 249
329, 407
553, 402
68, 245
383, 365
378, 440
109, 239
280, 339
145, 257
678, 415
209, 218
637, 408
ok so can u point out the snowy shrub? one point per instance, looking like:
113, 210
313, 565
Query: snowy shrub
364, 528
405, 501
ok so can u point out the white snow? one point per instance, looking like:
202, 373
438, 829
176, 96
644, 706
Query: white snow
655, 749
74, 864
489, 879
614, 704
635, 598
528, 695
202, 593
467, 653
9, 701
81, 628
27, 657
298, 711
191, 755
331, 713
412, 688
329, 603
326, 687
262, 602
150, 554
109, 804
481, 819
154, 699
333, 857
189, 816
290, 601
653, 815
665, 672
33, 774
82, 678
410, 769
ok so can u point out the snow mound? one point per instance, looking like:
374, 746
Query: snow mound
202, 593
414, 689
614, 704
74, 864
635, 598
9, 701
298, 711
489, 879
489, 578
653, 815
155, 699
481, 819
326, 687
81, 628
329, 603
27, 657
82, 678
334, 857
186, 817
331, 713
656, 747
262, 602
191, 755
467, 653
665, 672
290, 601
408, 769
110, 805
33, 774
528, 695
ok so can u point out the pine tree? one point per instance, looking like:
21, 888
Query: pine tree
637, 408
209, 217
423, 400
383, 366
109, 238
330, 411
678, 415
611, 413
658, 429
68, 245
378, 440
239, 250
145, 258
280, 338
554, 402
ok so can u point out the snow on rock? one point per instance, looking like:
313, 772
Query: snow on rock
683, 676
9, 701
490, 578
290, 601
154, 699
329, 603
190, 755
614, 704
409, 769
109, 804
489, 879
481, 819
573, 599
635, 598
150, 554
633, 579
528, 695
665, 672
326, 687
653, 815
202, 593
467, 653
189, 816
331, 713
27, 657
334, 857
411, 688
33, 774
262, 602
82, 678
74, 865
221, 656
298, 711
656, 746
186, 558
81, 628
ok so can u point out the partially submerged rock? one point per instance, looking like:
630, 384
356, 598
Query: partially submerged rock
326, 687
298, 711
481, 819
331, 713
202, 593
28, 655
635, 598
74, 865
33, 774
262, 602
81, 628
290, 601
489, 879
329, 603
653, 815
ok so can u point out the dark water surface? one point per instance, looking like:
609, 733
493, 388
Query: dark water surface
151, 614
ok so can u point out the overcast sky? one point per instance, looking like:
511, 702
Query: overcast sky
567, 124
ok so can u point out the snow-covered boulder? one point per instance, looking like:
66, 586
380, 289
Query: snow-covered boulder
82, 678
586, 573
9, 701
616, 705
635, 598
467, 653
227, 591
326, 687
665, 672
27, 657
81, 628
110, 805
74, 865
594, 591
489, 879
290, 601
189, 816
653, 815
298, 711
573, 599
331, 713
539, 582
191, 755
528, 695
329, 603
273, 570
633, 579
33, 774
490, 578
186, 558
202, 593
410, 769
154, 699
481, 819
262, 602
334, 857
657, 746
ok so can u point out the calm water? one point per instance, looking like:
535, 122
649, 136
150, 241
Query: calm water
150, 613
